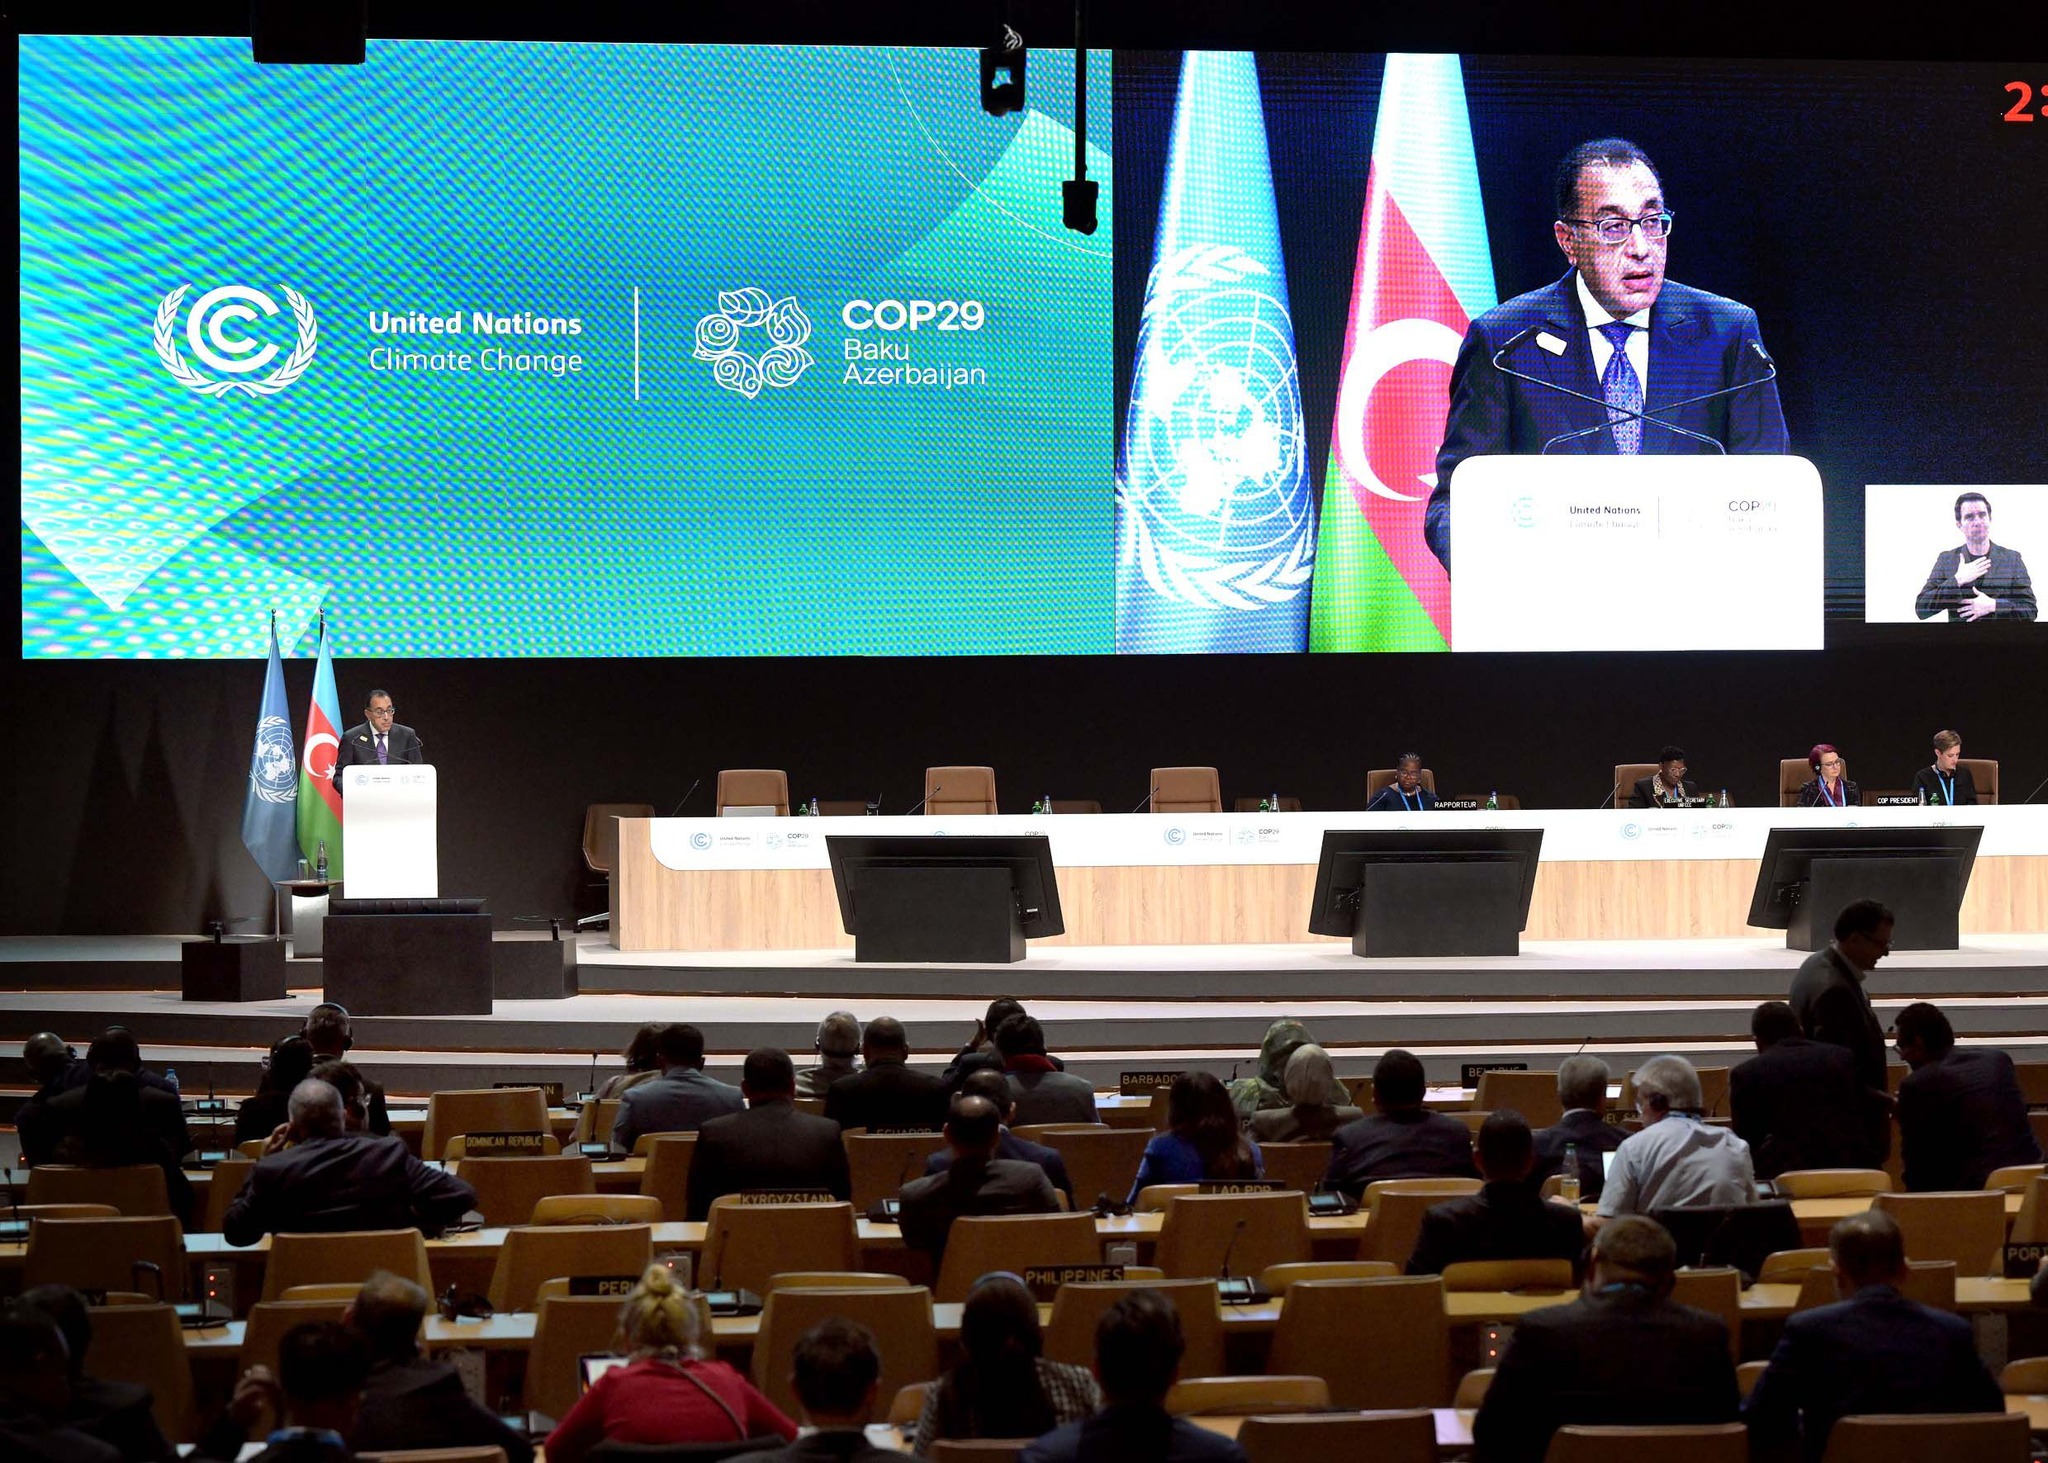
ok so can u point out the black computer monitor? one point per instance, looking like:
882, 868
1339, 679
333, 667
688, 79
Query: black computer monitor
1921, 872
944, 925
1348, 853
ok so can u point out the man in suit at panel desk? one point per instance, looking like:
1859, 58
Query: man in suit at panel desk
377, 740
1611, 342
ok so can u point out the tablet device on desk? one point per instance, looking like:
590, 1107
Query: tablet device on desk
592, 1365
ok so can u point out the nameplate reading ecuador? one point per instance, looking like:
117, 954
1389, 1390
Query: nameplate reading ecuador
1239, 1186
602, 1284
1144, 1084
787, 1196
1044, 1281
504, 1145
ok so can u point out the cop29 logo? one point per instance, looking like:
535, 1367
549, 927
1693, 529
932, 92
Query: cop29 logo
721, 340
214, 330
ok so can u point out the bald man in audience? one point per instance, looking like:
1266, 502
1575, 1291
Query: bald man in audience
331, 1180
975, 1183
1402, 1140
1873, 1351
1508, 1219
1623, 1354
889, 1092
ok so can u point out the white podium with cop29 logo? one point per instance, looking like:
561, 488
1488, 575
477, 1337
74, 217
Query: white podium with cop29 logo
389, 838
1637, 553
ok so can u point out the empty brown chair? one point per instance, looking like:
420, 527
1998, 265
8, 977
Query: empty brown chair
1100, 1160
1626, 776
1378, 1343
1070, 1334
1405, 1436
976, 1245
223, 1184
565, 1251
1249, 1231
753, 787
101, 1254
601, 832
747, 1243
1720, 1442
1981, 1437
1983, 773
1541, 1275
508, 1188
1297, 1165
350, 1257
597, 1209
1717, 1290
1227, 1396
481, 1110
880, 1164
1186, 790
138, 1190
1793, 774
667, 1174
1532, 1094
1832, 1183
1967, 1227
953, 791
270, 1319
144, 1345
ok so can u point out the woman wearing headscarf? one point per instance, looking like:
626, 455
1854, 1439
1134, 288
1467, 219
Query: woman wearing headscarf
1269, 1088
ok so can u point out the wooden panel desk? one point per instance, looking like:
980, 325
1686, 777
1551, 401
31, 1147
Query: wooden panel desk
1247, 878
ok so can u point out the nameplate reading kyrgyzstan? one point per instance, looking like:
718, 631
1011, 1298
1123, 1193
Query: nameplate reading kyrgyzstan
1044, 1281
787, 1196
504, 1145
1144, 1084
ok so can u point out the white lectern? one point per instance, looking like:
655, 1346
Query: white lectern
1637, 553
389, 847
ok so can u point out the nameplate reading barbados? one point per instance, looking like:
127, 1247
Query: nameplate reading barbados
1144, 1084
1044, 1281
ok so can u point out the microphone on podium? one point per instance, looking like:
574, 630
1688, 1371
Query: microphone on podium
1146, 801
1653, 418
1608, 801
686, 797
925, 799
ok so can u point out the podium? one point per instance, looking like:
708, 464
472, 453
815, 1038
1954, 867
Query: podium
389, 838
1426, 892
1635, 553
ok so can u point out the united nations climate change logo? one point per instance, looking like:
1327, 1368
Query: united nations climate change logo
274, 771
722, 336
207, 331
1213, 447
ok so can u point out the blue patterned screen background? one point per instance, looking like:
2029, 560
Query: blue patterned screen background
726, 489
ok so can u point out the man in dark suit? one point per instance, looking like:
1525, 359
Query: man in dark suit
1508, 1219
377, 740
772, 1145
1961, 1113
1614, 330
117, 1119
1873, 1351
682, 1099
55, 1068
1582, 1089
975, 1183
1138, 1347
409, 1400
332, 1180
322, 1367
1798, 1103
836, 1373
996, 1088
1402, 1141
1560, 1366
1828, 995
1668, 784
889, 1092
1946, 783
35, 1394
1978, 579
117, 1413
1044, 1093
330, 1031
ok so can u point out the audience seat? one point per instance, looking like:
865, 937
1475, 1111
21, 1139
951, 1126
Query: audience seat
1186, 790
1508, 1275
138, 1190
1406, 1436
268, 1320
976, 1245
145, 1345
978, 1450
596, 1209
747, 1243
1277, 1278
338, 1290
833, 1280
880, 1164
1626, 776
1298, 1165
1227, 1396
2014, 1178
508, 1188
566, 1328
1100, 1160
1983, 776
1070, 1334
2026, 1377
667, 1174
1203, 1232
752, 787
349, 1257
1982, 1437
1532, 1094
1722, 1442
1378, 1343
481, 1110
1832, 1183
900, 1318
1717, 1290
457, 1148
1789, 1267
62, 1211
101, 1254
533, 1255
594, 1120
1968, 1228
1154, 1198
953, 791
1394, 1210
1472, 1388
222, 1186
1930, 1282
2030, 1225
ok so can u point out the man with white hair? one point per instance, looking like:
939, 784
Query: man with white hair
331, 1180
838, 1045
1677, 1158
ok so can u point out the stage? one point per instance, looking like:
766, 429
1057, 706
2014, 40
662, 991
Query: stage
1105, 1009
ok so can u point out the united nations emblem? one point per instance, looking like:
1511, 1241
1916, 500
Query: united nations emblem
213, 332
273, 770
1213, 502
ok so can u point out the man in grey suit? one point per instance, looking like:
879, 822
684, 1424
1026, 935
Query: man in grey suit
977, 1183
681, 1099
377, 740
1044, 1093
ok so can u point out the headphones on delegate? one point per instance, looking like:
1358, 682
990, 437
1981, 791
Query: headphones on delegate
334, 1008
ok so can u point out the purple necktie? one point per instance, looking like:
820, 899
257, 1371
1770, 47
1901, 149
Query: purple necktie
1621, 387
383, 753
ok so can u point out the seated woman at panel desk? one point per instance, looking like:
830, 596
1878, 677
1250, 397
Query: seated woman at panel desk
1830, 786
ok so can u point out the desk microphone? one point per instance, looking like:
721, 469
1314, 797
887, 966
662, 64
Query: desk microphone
1770, 374
1146, 801
1612, 410
1608, 801
2035, 793
925, 799
687, 796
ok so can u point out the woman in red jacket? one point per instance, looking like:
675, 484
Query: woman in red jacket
667, 1393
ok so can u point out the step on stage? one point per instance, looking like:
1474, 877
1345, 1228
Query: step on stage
1105, 1009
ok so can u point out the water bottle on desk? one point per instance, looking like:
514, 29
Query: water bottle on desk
171, 1076
814, 808
1568, 1176
1493, 802
1045, 804
320, 862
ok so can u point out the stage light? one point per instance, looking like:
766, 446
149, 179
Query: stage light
1078, 194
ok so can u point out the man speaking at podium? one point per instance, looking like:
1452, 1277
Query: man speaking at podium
377, 741
1614, 333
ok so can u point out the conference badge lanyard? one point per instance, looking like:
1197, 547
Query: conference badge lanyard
1948, 786
1839, 799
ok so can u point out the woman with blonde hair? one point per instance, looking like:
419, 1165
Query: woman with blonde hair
667, 1393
